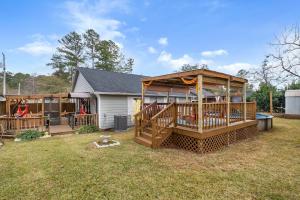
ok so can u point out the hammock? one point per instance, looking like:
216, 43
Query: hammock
82, 111
23, 113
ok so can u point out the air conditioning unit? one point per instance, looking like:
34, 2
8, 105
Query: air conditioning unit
120, 122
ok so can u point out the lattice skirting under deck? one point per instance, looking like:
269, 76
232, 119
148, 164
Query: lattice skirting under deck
209, 144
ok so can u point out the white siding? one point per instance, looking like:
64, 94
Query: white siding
292, 105
109, 106
131, 110
153, 99
82, 85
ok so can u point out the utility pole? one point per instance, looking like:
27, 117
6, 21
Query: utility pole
4, 74
19, 89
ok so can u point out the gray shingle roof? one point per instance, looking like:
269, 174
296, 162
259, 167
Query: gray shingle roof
112, 82
116, 82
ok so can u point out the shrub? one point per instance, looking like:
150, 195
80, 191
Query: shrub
30, 135
87, 129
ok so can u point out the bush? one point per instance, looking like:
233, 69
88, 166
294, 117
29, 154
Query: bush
30, 135
87, 129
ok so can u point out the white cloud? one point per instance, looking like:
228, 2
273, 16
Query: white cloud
175, 63
152, 50
38, 48
84, 15
219, 52
163, 41
235, 67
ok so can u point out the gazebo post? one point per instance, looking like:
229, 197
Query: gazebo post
228, 102
200, 97
143, 96
244, 100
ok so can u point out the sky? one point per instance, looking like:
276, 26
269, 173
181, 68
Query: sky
159, 35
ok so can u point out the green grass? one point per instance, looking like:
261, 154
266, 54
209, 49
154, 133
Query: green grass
69, 167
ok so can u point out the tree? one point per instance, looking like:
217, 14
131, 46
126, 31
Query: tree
242, 73
111, 59
189, 67
266, 73
127, 68
91, 42
60, 67
71, 51
88, 50
295, 85
286, 56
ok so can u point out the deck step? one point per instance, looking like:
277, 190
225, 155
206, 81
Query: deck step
146, 135
8, 136
148, 130
143, 141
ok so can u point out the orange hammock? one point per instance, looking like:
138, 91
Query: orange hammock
23, 113
190, 82
147, 84
82, 110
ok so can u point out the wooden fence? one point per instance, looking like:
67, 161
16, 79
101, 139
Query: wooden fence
84, 120
214, 115
12, 124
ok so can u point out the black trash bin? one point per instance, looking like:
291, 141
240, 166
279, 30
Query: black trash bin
120, 122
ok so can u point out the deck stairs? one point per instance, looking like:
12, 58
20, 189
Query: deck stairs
154, 124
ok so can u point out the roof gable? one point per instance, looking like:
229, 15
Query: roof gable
111, 82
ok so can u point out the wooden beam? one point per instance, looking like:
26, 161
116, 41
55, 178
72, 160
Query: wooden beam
157, 88
200, 97
194, 73
38, 96
245, 101
8, 106
43, 106
143, 96
214, 81
236, 84
168, 97
228, 103
271, 102
238, 79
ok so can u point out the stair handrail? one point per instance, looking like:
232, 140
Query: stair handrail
157, 130
139, 124
143, 109
163, 110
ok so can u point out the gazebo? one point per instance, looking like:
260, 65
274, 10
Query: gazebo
63, 112
197, 126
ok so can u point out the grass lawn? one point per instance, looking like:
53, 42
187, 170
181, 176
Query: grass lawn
68, 167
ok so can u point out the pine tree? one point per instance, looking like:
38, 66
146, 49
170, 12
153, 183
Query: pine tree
111, 59
91, 42
58, 64
71, 50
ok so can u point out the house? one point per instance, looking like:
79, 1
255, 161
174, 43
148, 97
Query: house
292, 103
114, 93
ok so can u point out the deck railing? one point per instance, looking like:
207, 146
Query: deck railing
251, 110
143, 118
187, 114
214, 115
84, 120
161, 122
13, 124
236, 112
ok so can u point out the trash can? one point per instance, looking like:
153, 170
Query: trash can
120, 122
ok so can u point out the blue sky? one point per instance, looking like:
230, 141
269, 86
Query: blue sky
160, 35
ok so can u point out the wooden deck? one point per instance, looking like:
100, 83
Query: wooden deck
11, 126
177, 125
61, 130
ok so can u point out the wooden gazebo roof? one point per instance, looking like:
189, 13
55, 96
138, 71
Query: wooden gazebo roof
209, 77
